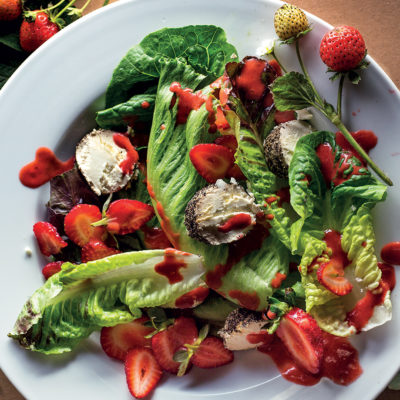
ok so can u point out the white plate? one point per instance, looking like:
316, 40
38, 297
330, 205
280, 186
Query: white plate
50, 101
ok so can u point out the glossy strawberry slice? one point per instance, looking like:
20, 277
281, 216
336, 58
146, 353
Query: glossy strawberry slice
212, 161
331, 275
284, 116
117, 340
126, 216
276, 67
166, 343
95, 250
52, 268
78, 224
211, 354
49, 240
142, 371
155, 238
302, 337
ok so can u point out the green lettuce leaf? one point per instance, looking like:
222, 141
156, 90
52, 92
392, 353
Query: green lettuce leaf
83, 298
203, 47
127, 113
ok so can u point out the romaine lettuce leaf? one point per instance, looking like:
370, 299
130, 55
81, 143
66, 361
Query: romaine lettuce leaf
203, 47
345, 208
83, 298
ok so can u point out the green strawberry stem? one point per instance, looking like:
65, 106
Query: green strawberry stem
71, 3
339, 98
335, 118
85, 5
279, 63
305, 72
339, 124
53, 7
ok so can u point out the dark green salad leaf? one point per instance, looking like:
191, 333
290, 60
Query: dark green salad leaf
204, 47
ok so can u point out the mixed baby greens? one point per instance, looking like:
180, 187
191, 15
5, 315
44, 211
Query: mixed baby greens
85, 297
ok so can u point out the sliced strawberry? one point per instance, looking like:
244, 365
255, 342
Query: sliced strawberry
235, 172
95, 250
284, 116
302, 337
49, 240
212, 161
228, 141
166, 343
331, 275
142, 371
117, 340
52, 268
78, 224
211, 354
127, 216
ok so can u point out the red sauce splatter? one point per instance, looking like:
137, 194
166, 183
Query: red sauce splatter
221, 122
188, 101
340, 362
151, 191
190, 299
333, 240
275, 65
211, 115
162, 127
166, 226
363, 310
260, 337
45, 166
165, 221
170, 266
390, 253
132, 155
145, 104
237, 222
339, 171
284, 196
237, 250
270, 216
392, 91
250, 80
366, 139
271, 199
353, 113
278, 279
246, 299
364, 244
155, 238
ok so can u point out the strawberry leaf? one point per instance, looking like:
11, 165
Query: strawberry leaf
292, 91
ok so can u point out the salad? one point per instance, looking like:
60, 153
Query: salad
206, 215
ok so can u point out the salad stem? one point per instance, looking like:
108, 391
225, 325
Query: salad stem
105, 3
274, 56
339, 99
305, 72
335, 118
339, 124
85, 5
62, 11
55, 6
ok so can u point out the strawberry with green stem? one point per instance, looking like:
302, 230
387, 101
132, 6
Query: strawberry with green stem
297, 91
40, 25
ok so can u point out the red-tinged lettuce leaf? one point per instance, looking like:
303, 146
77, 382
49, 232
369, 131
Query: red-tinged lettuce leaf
66, 191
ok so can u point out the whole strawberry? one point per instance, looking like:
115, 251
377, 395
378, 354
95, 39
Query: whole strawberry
289, 21
10, 9
342, 48
34, 33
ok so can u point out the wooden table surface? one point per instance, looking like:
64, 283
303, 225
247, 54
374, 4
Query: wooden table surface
378, 21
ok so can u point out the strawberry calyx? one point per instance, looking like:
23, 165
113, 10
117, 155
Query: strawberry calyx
297, 36
184, 355
158, 320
